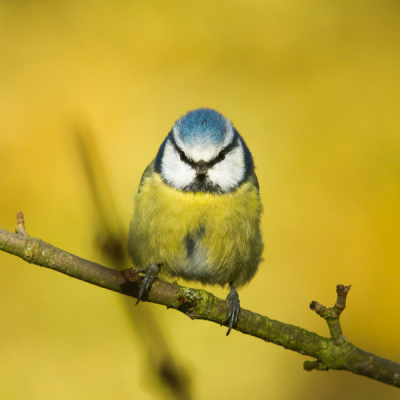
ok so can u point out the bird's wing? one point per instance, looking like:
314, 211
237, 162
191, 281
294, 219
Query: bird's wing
147, 172
254, 178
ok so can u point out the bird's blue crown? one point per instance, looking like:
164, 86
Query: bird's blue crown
202, 126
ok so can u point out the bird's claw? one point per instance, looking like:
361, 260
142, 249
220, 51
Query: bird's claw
151, 275
233, 304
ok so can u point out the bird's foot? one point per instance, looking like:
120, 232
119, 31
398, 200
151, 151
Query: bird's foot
233, 304
151, 275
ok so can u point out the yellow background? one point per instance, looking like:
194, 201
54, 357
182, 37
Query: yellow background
314, 89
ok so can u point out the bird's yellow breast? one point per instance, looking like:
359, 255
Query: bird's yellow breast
211, 238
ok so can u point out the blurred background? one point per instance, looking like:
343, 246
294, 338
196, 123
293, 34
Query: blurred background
90, 90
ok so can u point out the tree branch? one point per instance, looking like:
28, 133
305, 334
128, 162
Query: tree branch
334, 353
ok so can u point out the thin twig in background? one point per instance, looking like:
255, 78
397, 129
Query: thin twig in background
111, 242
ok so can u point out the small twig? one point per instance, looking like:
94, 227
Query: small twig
332, 314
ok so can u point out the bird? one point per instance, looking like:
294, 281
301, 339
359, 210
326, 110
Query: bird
197, 210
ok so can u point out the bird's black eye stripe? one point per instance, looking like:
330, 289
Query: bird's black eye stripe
182, 154
220, 157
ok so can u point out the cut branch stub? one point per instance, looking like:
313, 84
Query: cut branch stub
20, 228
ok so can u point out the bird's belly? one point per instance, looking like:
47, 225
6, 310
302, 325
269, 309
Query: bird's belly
209, 238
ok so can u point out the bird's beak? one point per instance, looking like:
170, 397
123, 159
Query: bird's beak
201, 167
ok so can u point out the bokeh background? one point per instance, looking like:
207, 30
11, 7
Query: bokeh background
313, 87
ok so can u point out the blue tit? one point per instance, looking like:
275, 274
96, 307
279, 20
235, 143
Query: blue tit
197, 211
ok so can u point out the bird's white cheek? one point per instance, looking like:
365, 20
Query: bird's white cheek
174, 170
229, 172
